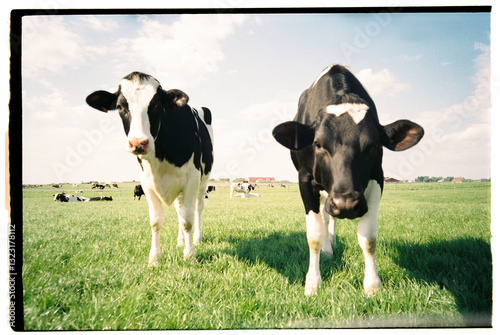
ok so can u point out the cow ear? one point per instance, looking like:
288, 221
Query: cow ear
102, 101
402, 135
293, 135
176, 96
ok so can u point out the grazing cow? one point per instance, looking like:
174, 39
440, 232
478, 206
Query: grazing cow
75, 185
115, 185
173, 143
241, 188
336, 145
138, 192
95, 185
209, 189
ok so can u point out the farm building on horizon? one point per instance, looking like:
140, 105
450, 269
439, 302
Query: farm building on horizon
260, 179
391, 180
458, 180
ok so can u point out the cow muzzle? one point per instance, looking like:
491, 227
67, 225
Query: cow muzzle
349, 205
138, 146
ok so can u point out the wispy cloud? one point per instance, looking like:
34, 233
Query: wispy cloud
182, 57
49, 46
381, 83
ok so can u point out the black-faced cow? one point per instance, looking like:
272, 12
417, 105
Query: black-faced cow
336, 145
138, 192
241, 188
173, 144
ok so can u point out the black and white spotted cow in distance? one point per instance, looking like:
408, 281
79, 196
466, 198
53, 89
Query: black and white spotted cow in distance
173, 144
243, 188
336, 145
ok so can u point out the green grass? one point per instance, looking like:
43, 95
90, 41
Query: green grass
85, 264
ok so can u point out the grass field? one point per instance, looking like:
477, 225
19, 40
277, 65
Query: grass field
85, 264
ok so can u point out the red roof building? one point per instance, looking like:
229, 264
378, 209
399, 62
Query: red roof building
260, 179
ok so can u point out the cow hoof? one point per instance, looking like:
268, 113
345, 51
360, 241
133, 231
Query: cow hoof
197, 238
189, 254
371, 286
154, 261
327, 250
312, 286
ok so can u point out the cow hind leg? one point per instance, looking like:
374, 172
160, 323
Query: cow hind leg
200, 204
327, 246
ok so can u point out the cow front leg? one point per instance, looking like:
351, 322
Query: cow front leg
316, 234
156, 219
367, 237
330, 238
185, 214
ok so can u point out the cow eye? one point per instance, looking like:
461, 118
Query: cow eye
316, 144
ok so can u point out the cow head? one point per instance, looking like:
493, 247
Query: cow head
141, 103
344, 144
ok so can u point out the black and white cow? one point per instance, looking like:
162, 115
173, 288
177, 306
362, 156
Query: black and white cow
241, 188
210, 188
336, 145
138, 192
62, 197
173, 144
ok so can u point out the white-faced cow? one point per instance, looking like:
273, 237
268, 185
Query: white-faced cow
173, 143
336, 145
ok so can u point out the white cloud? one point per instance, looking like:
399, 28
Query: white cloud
179, 54
457, 139
100, 24
382, 83
49, 45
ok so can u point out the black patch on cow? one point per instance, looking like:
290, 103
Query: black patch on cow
179, 133
207, 115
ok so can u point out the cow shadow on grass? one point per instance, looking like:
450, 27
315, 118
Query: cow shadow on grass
462, 266
287, 253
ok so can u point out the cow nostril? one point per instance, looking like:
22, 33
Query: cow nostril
138, 145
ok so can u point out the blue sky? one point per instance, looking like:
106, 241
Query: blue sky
250, 70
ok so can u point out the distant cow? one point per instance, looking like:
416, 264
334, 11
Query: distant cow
173, 143
95, 185
138, 192
100, 198
336, 144
73, 198
241, 188
67, 198
209, 189
115, 185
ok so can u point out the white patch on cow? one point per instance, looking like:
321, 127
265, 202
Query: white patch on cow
356, 111
315, 239
330, 223
325, 71
367, 236
139, 94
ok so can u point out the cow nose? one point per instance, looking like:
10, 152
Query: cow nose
348, 205
138, 145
